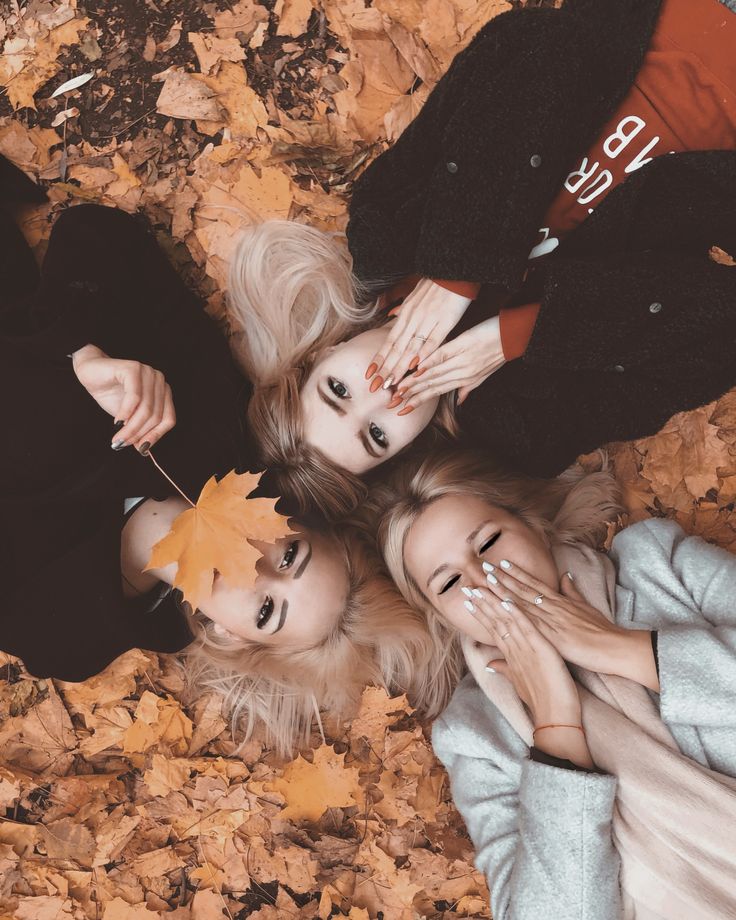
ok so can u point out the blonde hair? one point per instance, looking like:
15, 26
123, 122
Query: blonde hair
572, 508
378, 639
292, 294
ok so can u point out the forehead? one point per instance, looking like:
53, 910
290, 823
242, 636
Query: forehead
440, 532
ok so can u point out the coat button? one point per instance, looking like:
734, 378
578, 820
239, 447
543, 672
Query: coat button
452, 167
536, 160
619, 368
655, 307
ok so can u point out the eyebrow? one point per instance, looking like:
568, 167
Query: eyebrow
282, 617
469, 539
304, 563
362, 436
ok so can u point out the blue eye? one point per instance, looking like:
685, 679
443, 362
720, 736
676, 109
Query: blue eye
377, 435
264, 614
289, 556
338, 388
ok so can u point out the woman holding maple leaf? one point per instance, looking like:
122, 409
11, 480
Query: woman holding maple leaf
107, 331
591, 748
564, 204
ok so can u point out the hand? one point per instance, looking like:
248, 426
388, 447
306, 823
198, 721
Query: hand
424, 320
579, 632
131, 392
462, 365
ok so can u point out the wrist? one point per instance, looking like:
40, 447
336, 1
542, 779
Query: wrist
565, 741
636, 658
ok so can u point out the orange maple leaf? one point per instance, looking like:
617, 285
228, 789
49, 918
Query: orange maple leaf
216, 536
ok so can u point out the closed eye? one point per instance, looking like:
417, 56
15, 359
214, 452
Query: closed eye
454, 580
489, 543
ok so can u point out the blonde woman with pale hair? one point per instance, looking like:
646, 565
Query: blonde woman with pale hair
543, 229
591, 747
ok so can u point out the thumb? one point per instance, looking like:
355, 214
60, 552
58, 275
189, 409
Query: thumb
569, 588
462, 395
499, 665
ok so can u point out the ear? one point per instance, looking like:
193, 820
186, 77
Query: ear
220, 630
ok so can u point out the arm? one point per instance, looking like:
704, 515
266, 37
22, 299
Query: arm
542, 834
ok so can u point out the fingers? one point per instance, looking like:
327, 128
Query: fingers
164, 412
402, 355
498, 666
569, 588
145, 402
507, 576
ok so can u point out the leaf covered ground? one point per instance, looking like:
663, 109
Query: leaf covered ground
117, 802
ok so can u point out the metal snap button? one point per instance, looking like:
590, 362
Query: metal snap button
452, 167
655, 307
619, 368
536, 160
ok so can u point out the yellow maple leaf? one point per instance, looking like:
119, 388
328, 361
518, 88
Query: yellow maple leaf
311, 788
215, 536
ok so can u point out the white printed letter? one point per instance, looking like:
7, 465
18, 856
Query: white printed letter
620, 140
581, 175
639, 161
597, 187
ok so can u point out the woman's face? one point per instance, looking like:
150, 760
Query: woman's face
298, 597
344, 419
450, 540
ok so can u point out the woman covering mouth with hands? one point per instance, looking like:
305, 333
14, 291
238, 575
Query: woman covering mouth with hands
592, 747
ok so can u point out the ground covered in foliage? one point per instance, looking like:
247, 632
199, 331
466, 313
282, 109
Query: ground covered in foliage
116, 802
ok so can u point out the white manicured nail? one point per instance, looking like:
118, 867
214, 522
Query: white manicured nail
487, 567
477, 592
490, 669
388, 382
569, 575
466, 591
505, 564
506, 606
469, 607
491, 579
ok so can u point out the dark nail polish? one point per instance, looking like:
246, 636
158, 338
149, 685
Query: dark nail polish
145, 447
118, 425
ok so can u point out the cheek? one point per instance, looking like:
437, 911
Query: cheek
463, 621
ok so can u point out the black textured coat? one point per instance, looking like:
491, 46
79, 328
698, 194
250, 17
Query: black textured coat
516, 109
103, 281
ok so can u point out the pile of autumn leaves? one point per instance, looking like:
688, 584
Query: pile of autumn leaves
120, 803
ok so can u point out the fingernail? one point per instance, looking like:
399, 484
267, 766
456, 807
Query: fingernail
491, 579
414, 362
396, 400
401, 392
117, 445
469, 607
117, 426
487, 567
490, 669
477, 592
569, 575
420, 372
466, 591
406, 410
145, 447
372, 368
506, 606
387, 383
505, 564
377, 384
393, 312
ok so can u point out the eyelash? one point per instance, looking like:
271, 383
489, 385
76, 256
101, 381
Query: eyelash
289, 556
334, 384
377, 435
339, 389
484, 548
287, 560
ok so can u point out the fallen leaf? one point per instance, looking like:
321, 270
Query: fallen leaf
311, 788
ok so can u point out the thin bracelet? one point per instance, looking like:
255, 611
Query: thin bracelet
539, 728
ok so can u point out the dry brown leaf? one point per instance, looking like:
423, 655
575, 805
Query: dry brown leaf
721, 256
309, 789
293, 16
211, 51
185, 95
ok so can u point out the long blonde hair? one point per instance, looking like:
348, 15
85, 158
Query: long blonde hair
292, 294
378, 639
572, 508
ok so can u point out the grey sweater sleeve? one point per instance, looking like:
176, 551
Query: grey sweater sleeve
542, 835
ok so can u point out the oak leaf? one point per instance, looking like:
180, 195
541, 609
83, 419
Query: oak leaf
215, 536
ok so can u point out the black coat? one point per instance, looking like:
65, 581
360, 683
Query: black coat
103, 281
517, 107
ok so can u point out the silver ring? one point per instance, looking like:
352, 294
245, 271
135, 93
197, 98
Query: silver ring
422, 338
538, 599
505, 635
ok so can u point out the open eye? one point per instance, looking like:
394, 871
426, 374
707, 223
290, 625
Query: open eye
264, 614
489, 543
338, 388
453, 581
377, 435
289, 556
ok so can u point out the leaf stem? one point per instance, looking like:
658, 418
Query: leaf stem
166, 476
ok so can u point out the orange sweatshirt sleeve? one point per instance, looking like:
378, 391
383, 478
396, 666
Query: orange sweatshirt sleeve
517, 325
467, 289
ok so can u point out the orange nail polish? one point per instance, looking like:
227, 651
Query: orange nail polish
406, 410
414, 362
395, 401
377, 384
420, 372
393, 312
372, 368
401, 392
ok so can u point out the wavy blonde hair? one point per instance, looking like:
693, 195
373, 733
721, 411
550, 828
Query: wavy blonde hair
292, 294
378, 639
575, 507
